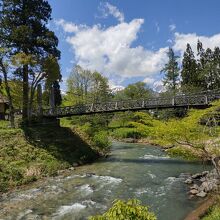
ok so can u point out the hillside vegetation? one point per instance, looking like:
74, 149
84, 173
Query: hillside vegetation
32, 153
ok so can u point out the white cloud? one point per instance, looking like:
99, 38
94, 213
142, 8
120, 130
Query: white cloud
172, 27
109, 50
149, 80
108, 9
68, 27
181, 41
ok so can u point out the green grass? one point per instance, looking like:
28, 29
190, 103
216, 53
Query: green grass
29, 154
213, 214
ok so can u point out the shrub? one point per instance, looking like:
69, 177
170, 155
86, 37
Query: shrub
130, 210
214, 214
100, 139
126, 133
182, 152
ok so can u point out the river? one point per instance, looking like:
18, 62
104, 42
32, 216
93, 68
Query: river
132, 171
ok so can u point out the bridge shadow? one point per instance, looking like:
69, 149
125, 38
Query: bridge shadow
152, 161
62, 143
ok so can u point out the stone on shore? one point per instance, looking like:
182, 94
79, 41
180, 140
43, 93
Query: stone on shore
201, 194
188, 181
194, 191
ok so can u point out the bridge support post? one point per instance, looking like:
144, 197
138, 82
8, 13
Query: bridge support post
116, 105
173, 101
206, 100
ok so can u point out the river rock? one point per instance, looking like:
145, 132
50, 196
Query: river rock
208, 186
71, 168
213, 174
194, 191
188, 181
201, 194
195, 186
129, 140
61, 171
75, 164
185, 175
197, 175
203, 179
90, 174
191, 196
204, 173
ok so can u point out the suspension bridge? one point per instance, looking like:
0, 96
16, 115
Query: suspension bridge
196, 100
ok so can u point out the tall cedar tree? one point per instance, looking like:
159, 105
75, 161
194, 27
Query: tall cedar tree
216, 61
208, 67
171, 70
23, 30
57, 93
189, 73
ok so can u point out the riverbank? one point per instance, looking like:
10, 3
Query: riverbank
29, 154
202, 210
131, 171
210, 208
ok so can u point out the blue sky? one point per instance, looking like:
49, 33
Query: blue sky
127, 40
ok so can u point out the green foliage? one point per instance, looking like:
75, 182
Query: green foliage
171, 70
121, 133
130, 210
86, 86
138, 90
24, 32
182, 152
189, 73
213, 214
27, 155
15, 88
100, 140
93, 128
137, 126
189, 137
203, 73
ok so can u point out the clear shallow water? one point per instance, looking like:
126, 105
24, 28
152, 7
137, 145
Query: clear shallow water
132, 171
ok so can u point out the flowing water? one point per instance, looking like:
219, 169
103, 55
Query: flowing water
132, 171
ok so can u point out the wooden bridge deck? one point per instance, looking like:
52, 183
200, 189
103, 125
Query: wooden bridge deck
199, 100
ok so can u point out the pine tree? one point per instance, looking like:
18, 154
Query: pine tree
57, 93
171, 70
23, 30
189, 73
216, 60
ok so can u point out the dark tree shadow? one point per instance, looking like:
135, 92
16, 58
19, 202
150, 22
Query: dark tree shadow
61, 142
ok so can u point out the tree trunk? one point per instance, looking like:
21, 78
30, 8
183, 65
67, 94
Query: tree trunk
39, 100
52, 99
31, 100
8, 91
25, 115
215, 162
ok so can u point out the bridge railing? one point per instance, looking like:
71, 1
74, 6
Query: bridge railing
196, 99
